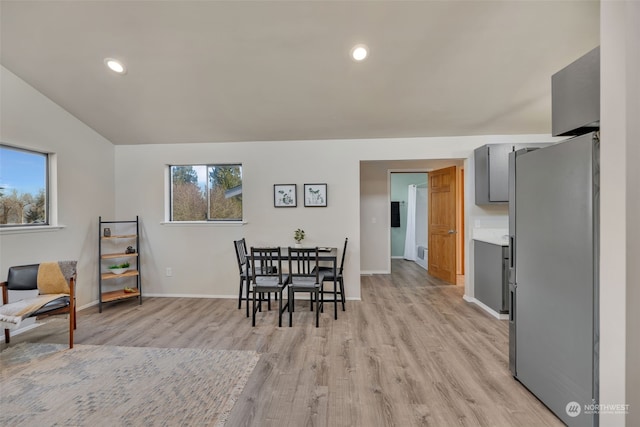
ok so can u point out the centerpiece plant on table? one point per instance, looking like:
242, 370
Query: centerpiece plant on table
298, 236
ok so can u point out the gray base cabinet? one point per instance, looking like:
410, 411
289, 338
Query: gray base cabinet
491, 286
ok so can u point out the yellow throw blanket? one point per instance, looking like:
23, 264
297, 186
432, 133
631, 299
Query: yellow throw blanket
51, 280
11, 315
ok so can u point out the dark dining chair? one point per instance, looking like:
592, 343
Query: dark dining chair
267, 278
305, 277
244, 270
328, 277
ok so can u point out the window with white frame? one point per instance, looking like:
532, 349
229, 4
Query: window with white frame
24, 187
205, 192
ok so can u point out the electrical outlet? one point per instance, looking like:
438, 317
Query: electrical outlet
169, 272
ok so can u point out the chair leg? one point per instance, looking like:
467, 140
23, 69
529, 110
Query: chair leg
290, 304
240, 293
341, 283
72, 321
253, 320
279, 311
311, 295
318, 302
247, 292
6, 336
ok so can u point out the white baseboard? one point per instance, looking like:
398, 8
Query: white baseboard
486, 308
91, 304
372, 272
213, 296
189, 296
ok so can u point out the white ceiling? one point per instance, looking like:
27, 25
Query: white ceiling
211, 71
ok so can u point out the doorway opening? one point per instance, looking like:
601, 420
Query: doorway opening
409, 214
375, 214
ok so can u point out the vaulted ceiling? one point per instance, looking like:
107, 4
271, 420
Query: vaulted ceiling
226, 71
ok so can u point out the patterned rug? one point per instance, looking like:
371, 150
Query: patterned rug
48, 384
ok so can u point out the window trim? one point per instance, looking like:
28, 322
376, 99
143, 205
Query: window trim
210, 222
51, 195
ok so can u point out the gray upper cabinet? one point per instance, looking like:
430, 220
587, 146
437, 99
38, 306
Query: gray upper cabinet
492, 171
575, 96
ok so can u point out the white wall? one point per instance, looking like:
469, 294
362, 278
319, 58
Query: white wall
620, 210
202, 256
632, 368
85, 164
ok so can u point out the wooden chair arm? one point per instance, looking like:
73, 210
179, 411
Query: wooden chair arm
72, 285
5, 293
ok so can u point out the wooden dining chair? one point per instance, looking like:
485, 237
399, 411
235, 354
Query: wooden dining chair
305, 277
267, 278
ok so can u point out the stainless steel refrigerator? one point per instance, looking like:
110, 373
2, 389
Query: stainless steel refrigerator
553, 276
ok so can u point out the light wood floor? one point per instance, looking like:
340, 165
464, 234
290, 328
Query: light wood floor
411, 353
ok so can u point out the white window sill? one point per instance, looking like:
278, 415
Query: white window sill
30, 229
203, 223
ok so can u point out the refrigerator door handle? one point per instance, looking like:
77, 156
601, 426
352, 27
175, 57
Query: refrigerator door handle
511, 250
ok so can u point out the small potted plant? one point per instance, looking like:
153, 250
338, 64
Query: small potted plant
119, 268
298, 236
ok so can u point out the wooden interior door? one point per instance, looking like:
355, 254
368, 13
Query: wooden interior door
442, 224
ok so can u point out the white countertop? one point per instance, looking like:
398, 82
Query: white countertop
495, 236
495, 241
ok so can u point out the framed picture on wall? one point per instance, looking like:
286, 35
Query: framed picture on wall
284, 196
315, 195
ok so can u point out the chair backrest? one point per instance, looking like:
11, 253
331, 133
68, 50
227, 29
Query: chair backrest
241, 255
23, 277
267, 262
303, 262
344, 253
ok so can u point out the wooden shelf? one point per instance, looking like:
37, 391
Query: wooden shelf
122, 255
117, 295
121, 236
112, 252
130, 273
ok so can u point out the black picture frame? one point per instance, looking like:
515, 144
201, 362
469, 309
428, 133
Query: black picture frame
315, 195
285, 195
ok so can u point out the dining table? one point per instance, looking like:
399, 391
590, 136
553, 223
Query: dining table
326, 254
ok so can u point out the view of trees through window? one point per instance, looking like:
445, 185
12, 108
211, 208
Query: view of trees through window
206, 193
23, 187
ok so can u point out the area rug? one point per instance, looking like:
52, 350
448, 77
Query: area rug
48, 384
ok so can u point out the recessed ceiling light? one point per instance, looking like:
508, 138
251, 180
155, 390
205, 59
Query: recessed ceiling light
115, 65
359, 52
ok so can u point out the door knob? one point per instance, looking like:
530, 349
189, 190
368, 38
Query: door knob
452, 231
